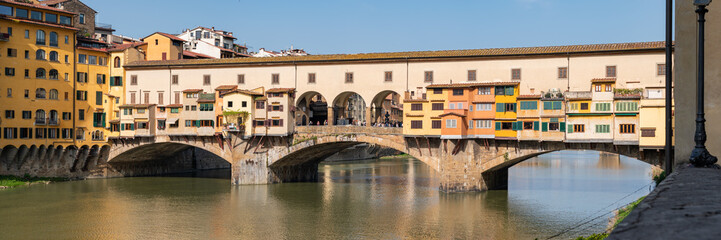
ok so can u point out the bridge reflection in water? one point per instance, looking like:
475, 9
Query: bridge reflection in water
375, 199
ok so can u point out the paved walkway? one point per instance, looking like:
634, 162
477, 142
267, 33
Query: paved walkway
687, 205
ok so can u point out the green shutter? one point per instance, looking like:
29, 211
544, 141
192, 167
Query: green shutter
557, 105
534, 105
122, 127
500, 107
547, 105
509, 91
562, 127
544, 127
514, 107
498, 126
535, 125
570, 128
103, 119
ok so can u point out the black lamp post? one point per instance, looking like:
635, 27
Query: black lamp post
700, 157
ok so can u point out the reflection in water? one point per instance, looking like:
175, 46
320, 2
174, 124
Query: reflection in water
377, 199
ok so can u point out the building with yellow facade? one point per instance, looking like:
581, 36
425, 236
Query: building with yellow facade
162, 46
506, 110
91, 91
36, 83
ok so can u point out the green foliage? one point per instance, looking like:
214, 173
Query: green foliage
230, 114
302, 139
623, 212
505, 156
659, 178
625, 91
597, 236
14, 181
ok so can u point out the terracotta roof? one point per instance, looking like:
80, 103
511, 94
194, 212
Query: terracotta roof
122, 47
193, 90
196, 55
226, 87
467, 85
530, 96
603, 80
280, 90
37, 22
261, 98
452, 113
37, 6
174, 106
243, 91
93, 49
492, 52
168, 35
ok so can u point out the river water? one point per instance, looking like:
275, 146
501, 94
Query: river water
374, 199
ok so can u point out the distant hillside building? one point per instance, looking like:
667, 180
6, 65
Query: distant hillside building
290, 52
212, 42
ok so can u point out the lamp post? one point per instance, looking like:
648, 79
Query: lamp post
700, 157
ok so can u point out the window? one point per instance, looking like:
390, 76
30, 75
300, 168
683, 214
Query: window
505, 107
9, 114
584, 106
609, 88
504, 125
259, 123
437, 106
484, 107
552, 105
529, 105
92, 60
416, 107
98, 98
27, 93
563, 72
416, 124
437, 91
27, 54
12, 52
428, 76
27, 114
276, 122
81, 114
53, 94
67, 40
6, 10
311, 77
35, 15
505, 90
349, 77
578, 128
206, 80
626, 106
174, 110
81, 18
627, 128
176, 98
82, 58
40, 37
527, 125
516, 74
275, 78
67, 59
451, 106
81, 95
603, 128
388, 76
54, 56
40, 93
603, 107
260, 105
457, 92
483, 123
611, 71
100, 78
650, 132
66, 116
116, 62
53, 39
471, 75
40, 133
9, 71
65, 20
660, 70
40, 54
484, 91
10, 133
451, 123
598, 88
116, 81
133, 79
26, 133
206, 107
10, 92
21, 13
82, 77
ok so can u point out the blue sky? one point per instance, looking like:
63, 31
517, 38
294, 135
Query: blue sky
353, 26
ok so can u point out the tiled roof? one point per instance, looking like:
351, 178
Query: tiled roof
40, 6
196, 55
603, 80
193, 90
452, 113
122, 47
243, 91
168, 35
261, 98
93, 49
531, 96
226, 87
37, 22
491, 52
280, 90
476, 84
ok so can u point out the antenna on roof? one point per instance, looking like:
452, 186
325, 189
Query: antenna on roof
451, 81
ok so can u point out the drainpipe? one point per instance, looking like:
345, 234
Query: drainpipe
75, 86
668, 158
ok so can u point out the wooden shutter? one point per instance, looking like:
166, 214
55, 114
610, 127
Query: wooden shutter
498, 126
281, 109
500, 107
562, 126
570, 128
544, 127
535, 125
280, 122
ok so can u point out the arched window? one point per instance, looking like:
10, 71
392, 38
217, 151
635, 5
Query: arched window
40, 37
53, 94
40, 73
53, 74
40, 54
97, 135
53, 117
53, 56
116, 62
53, 39
40, 116
79, 134
40, 93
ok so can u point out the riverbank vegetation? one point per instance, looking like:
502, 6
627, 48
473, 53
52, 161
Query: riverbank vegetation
14, 181
618, 218
402, 155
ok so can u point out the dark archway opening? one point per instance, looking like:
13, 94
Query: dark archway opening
349, 108
168, 159
386, 110
311, 109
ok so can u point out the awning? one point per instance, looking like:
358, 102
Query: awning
141, 120
172, 120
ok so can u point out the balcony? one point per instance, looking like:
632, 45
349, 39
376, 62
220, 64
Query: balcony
4, 37
40, 121
53, 122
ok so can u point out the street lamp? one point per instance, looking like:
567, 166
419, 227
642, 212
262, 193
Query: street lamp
700, 157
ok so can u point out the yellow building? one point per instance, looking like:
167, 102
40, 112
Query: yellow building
36, 83
652, 115
91, 92
163, 46
422, 113
506, 110
119, 56
626, 119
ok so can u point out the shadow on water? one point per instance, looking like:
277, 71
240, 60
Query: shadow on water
223, 173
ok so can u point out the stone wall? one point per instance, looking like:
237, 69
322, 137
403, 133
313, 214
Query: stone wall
54, 161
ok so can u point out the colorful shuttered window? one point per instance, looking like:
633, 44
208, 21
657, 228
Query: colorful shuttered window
562, 127
529, 105
544, 127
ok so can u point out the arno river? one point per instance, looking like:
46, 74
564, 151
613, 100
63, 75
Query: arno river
374, 199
